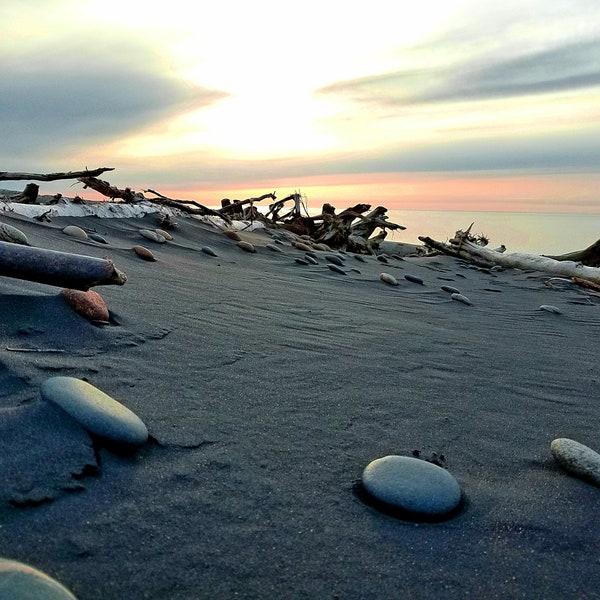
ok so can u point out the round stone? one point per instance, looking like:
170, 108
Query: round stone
576, 459
415, 486
95, 411
22, 582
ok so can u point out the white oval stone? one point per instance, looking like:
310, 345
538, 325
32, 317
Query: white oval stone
75, 232
95, 411
576, 459
22, 582
165, 234
412, 485
551, 309
152, 236
461, 298
389, 279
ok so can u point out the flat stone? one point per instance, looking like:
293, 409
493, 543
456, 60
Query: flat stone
95, 411
76, 232
360, 257
576, 459
551, 309
273, 247
311, 259
208, 250
461, 298
19, 581
414, 279
450, 289
412, 485
337, 269
97, 238
335, 259
301, 261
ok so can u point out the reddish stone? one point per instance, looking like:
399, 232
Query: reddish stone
144, 253
89, 305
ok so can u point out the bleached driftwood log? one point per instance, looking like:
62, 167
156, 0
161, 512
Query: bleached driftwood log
8, 176
590, 256
62, 269
484, 257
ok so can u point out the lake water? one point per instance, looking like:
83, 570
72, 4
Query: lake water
519, 232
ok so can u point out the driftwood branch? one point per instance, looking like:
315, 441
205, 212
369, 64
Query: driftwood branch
590, 256
184, 205
8, 176
514, 260
230, 208
57, 268
110, 191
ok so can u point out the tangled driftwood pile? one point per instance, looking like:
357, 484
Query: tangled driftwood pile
353, 229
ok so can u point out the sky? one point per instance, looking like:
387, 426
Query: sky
431, 105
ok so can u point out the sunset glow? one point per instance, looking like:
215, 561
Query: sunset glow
453, 105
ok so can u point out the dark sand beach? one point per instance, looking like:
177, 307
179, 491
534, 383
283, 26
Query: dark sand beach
267, 387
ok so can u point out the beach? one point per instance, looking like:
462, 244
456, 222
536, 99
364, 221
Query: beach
267, 387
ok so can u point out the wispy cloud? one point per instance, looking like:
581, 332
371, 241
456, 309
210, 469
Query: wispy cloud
571, 66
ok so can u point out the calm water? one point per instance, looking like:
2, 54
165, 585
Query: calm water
519, 232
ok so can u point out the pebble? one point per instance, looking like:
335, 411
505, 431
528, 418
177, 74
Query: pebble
382, 258
335, 259
165, 234
387, 278
337, 268
301, 261
461, 298
144, 253
397, 257
75, 232
247, 246
360, 257
97, 238
232, 235
11, 234
450, 289
551, 309
95, 411
322, 247
208, 250
497, 268
412, 485
414, 279
576, 459
19, 581
313, 255
89, 305
273, 247
311, 259
302, 246
152, 236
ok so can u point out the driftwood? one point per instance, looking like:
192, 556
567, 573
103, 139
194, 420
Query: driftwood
57, 268
28, 196
110, 191
235, 207
484, 257
8, 176
189, 206
590, 256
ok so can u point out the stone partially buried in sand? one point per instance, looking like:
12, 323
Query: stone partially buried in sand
89, 305
144, 253
76, 232
417, 487
95, 411
577, 459
19, 581
11, 234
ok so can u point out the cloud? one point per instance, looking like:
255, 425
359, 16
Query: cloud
570, 66
75, 93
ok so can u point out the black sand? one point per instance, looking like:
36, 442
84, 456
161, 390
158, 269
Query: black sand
267, 387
